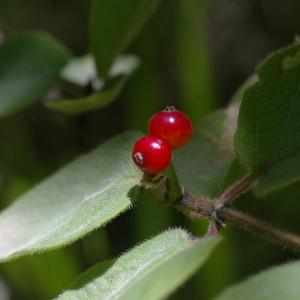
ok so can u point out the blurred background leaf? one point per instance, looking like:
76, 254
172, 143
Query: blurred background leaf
109, 37
29, 65
81, 73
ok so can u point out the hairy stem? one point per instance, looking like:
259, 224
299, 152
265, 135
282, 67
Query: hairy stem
235, 190
218, 212
261, 228
194, 207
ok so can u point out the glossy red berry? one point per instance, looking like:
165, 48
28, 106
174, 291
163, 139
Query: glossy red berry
172, 126
151, 154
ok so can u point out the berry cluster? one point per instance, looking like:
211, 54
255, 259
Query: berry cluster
168, 130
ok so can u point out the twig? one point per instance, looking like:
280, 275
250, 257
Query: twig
261, 228
194, 207
169, 191
235, 190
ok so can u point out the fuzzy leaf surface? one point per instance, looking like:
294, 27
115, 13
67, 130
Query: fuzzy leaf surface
77, 199
149, 271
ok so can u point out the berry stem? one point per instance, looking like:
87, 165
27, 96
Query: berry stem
174, 189
164, 186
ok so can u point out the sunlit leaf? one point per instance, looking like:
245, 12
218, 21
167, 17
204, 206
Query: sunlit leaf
79, 198
150, 271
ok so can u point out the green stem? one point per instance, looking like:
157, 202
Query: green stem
164, 186
174, 189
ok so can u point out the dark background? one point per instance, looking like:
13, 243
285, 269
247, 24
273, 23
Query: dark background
194, 56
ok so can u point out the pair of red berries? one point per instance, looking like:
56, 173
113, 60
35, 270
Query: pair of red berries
168, 130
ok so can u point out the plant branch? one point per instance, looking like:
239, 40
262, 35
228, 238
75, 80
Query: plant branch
194, 207
167, 188
235, 190
261, 228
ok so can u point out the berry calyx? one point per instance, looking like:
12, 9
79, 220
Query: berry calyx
151, 154
172, 126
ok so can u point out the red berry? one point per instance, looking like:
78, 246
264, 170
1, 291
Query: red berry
172, 126
151, 154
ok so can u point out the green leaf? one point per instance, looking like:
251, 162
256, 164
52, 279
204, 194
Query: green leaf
274, 284
239, 94
93, 272
79, 198
203, 164
29, 64
281, 175
114, 24
80, 70
150, 271
107, 91
269, 121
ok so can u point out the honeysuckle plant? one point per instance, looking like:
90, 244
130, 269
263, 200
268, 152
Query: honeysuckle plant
251, 146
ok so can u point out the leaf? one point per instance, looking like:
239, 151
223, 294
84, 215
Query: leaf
281, 175
150, 271
92, 273
80, 70
274, 284
269, 121
203, 164
29, 64
107, 92
239, 94
114, 24
79, 198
